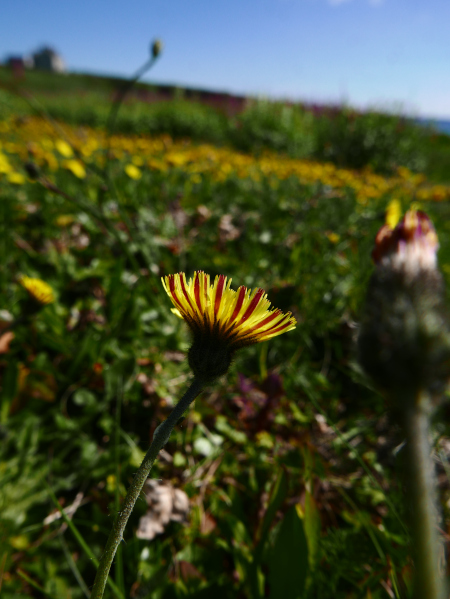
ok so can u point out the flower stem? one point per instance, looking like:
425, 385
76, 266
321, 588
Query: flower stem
160, 438
421, 486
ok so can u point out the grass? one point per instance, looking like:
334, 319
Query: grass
290, 463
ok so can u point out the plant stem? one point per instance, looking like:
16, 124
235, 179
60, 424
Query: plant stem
421, 486
160, 438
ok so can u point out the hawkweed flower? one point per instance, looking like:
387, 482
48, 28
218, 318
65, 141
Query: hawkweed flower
222, 320
38, 290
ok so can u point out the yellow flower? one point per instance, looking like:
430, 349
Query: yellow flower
64, 220
63, 148
38, 289
333, 237
393, 213
16, 178
222, 320
5, 167
133, 172
76, 168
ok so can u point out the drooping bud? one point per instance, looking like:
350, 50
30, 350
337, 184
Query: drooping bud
404, 342
156, 48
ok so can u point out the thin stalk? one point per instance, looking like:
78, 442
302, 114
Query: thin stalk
73, 566
30, 581
114, 111
160, 438
126, 87
119, 558
80, 539
421, 486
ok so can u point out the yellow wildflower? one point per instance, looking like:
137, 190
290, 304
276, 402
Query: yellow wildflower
64, 220
76, 168
133, 171
16, 178
5, 166
393, 213
63, 148
38, 289
222, 320
333, 237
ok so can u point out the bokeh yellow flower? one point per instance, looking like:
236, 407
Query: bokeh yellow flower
63, 148
16, 178
76, 168
133, 171
393, 213
64, 220
38, 289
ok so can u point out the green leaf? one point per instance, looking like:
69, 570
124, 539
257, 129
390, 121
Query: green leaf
288, 565
9, 389
277, 496
312, 525
224, 427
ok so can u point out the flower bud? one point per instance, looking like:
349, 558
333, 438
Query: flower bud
404, 341
156, 48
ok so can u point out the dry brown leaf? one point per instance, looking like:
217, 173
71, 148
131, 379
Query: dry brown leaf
5, 340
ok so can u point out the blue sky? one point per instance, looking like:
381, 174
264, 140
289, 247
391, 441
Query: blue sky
384, 53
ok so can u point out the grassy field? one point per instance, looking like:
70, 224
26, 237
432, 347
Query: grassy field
290, 464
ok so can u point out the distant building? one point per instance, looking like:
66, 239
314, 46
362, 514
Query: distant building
18, 64
47, 59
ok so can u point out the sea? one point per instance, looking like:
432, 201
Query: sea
440, 125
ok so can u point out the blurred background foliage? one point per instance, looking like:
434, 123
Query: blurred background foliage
290, 464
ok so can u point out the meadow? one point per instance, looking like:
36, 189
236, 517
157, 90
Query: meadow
284, 479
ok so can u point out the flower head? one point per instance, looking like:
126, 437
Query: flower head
410, 247
39, 290
222, 320
156, 48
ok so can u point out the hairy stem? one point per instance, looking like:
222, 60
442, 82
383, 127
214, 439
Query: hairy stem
421, 486
160, 438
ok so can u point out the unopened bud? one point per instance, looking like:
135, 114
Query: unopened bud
156, 47
404, 342
31, 169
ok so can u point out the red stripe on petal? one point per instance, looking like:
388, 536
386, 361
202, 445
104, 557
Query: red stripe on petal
275, 330
277, 326
219, 293
265, 321
252, 306
197, 290
241, 294
188, 299
172, 289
